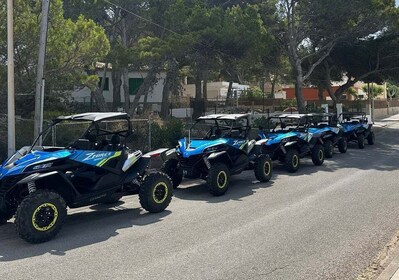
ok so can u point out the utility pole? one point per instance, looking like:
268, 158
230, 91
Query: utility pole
10, 78
40, 70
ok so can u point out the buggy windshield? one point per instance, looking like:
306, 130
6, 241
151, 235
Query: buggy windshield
210, 129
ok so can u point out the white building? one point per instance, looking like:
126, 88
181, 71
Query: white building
215, 90
135, 79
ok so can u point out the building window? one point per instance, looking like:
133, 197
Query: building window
106, 85
134, 85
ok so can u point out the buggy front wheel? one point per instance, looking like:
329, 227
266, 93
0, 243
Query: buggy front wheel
360, 141
292, 160
218, 179
328, 149
40, 216
342, 145
371, 138
263, 168
318, 155
156, 192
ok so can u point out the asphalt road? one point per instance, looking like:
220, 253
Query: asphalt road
325, 222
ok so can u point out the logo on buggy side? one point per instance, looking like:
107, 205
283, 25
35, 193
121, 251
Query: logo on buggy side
97, 156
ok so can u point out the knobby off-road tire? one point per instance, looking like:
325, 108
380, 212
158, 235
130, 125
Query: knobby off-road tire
218, 179
292, 161
156, 192
40, 216
328, 149
360, 141
342, 145
371, 138
263, 168
172, 169
318, 155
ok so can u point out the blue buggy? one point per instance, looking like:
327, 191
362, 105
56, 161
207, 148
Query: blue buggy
38, 183
288, 139
356, 128
217, 147
326, 127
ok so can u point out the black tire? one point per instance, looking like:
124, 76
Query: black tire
360, 141
156, 192
263, 168
328, 149
172, 169
40, 216
371, 138
218, 179
292, 161
342, 145
318, 155
3, 221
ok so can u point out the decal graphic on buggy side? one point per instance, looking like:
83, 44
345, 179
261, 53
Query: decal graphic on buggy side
96, 158
308, 137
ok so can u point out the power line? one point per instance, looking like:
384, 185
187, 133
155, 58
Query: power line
143, 18
163, 27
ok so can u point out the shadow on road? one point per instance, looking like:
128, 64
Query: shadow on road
80, 229
241, 185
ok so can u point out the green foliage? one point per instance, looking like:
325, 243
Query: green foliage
375, 90
72, 47
166, 135
392, 90
252, 94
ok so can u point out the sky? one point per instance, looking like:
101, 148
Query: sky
397, 3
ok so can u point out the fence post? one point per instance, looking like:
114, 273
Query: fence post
149, 133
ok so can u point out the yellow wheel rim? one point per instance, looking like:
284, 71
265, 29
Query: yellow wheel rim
160, 192
266, 168
295, 160
221, 179
45, 217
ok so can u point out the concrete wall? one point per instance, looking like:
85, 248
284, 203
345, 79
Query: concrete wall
385, 112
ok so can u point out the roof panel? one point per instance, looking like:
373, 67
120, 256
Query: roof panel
92, 116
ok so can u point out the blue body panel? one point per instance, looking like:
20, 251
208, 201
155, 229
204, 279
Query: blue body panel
30, 159
348, 127
319, 131
94, 158
197, 146
275, 138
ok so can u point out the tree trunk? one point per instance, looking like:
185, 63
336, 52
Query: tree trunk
98, 93
320, 93
125, 70
299, 97
125, 77
116, 93
171, 78
198, 102
230, 90
149, 81
273, 87
205, 88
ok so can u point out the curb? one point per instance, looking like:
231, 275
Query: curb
391, 272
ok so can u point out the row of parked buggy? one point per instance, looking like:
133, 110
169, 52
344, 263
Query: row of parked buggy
38, 182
